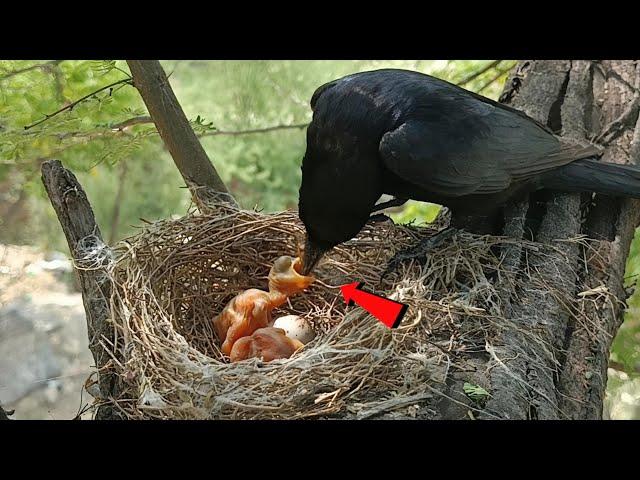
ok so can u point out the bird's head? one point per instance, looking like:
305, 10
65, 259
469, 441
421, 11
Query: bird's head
341, 173
285, 276
334, 204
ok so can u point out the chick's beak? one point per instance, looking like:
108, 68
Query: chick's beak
311, 256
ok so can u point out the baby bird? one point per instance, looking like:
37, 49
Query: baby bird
251, 309
265, 343
242, 316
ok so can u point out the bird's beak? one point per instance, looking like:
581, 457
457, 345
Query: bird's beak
311, 256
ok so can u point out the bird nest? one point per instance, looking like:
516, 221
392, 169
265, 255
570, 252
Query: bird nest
174, 276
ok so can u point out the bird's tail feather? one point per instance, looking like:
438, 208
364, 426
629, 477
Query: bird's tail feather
591, 175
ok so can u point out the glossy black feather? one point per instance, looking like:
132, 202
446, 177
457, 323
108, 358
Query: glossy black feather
414, 136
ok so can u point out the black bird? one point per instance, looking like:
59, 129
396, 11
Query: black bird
413, 136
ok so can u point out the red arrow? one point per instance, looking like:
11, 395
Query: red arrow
387, 311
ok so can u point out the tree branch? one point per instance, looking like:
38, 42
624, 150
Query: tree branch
176, 132
84, 238
255, 130
494, 79
476, 74
142, 120
39, 66
122, 127
73, 104
131, 122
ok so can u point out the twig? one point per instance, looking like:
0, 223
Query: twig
621, 367
476, 74
494, 79
121, 70
120, 129
255, 130
73, 104
141, 120
131, 122
41, 66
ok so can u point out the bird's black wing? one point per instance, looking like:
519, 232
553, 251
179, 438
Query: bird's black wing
473, 148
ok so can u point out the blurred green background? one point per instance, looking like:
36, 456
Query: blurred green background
129, 175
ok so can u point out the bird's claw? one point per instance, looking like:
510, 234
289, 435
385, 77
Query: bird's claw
417, 252
401, 257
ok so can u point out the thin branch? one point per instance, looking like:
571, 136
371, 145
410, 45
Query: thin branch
494, 79
73, 104
477, 73
131, 122
141, 120
121, 70
121, 127
38, 66
254, 130
115, 129
621, 368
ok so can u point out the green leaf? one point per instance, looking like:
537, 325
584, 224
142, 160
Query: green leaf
475, 392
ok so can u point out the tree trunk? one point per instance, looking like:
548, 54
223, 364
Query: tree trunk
89, 253
197, 170
563, 375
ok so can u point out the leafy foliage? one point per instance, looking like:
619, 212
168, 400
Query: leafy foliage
111, 127
626, 346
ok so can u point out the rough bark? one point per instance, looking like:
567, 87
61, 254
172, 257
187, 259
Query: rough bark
584, 376
197, 170
83, 237
562, 375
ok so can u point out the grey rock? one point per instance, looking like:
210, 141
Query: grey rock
26, 362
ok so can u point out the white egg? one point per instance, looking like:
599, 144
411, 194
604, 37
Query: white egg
296, 327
